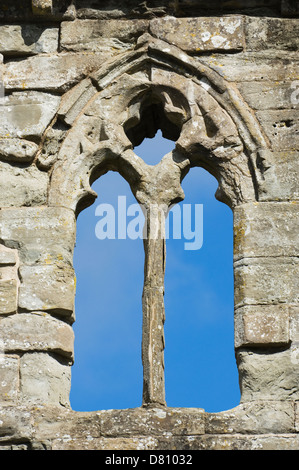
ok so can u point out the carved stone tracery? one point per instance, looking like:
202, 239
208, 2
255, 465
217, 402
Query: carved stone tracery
202, 120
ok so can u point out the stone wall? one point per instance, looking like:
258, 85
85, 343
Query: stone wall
82, 85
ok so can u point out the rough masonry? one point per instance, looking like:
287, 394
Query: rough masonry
84, 82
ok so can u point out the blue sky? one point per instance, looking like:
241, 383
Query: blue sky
200, 366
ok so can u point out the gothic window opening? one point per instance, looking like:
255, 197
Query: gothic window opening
200, 365
107, 372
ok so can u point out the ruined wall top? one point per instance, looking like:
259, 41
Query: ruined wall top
57, 10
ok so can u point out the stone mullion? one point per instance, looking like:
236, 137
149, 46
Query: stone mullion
153, 308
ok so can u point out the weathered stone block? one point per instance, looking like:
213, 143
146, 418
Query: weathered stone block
53, 422
9, 380
27, 114
1, 77
261, 95
21, 186
266, 229
260, 417
8, 296
36, 332
9, 281
43, 379
43, 235
281, 127
57, 73
18, 40
252, 67
101, 35
47, 288
280, 175
17, 150
152, 422
294, 324
74, 100
262, 326
8, 257
200, 34
271, 33
268, 376
294, 333
266, 281
15, 424
243, 442
297, 416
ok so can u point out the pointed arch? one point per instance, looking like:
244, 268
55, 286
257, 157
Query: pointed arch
162, 86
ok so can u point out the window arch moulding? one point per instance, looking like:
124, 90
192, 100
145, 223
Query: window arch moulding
212, 125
